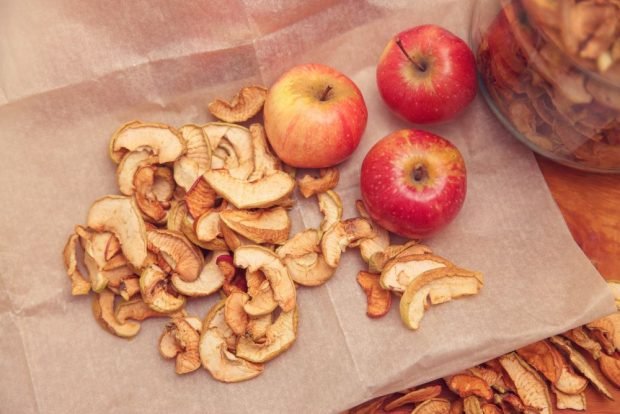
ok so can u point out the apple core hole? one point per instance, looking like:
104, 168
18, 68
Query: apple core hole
419, 174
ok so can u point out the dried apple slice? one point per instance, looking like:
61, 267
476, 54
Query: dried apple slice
164, 142
580, 337
257, 327
415, 396
376, 244
264, 162
244, 105
182, 256
79, 285
330, 205
154, 187
581, 364
465, 385
233, 145
263, 193
270, 226
569, 401
197, 159
200, 198
103, 310
309, 270
437, 286
471, 405
262, 297
545, 359
336, 240
215, 319
232, 239
156, 291
614, 285
309, 186
433, 406
491, 377
234, 314
180, 339
531, 388
121, 216
136, 310
610, 367
129, 165
280, 336
223, 365
608, 329
259, 258
98, 281
378, 299
378, 260
207, 227
129, 287
209, 281
301, 244
400, 272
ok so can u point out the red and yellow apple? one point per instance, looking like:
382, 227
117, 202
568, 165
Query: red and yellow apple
413, 182
426, 74
314, 116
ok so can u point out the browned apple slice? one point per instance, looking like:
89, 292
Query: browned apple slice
103, 310
157, 293
530, 386
309, 186
580, 337
256, 258
234, 314
280, 336
436, 286
614, 285
466, 385
379, 300
415, 396
200, 198
608, 329
197, 159
180, 339
244, 105
266, 192
376, 244
257, 327
121, 216
164, 142
79, 285
400, 272
182, 256
565, 401
262, 301
610, 367
154, 187
341, 235
433, 406
270, 226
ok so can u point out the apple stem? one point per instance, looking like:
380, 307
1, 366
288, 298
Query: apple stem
417, 64
419, 173
325, 93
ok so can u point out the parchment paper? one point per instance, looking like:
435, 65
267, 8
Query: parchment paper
72, 71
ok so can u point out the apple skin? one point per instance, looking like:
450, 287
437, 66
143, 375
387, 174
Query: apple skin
439, 92
396, 200
314, 116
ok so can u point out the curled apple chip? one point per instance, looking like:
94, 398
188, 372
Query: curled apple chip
301, 244
466, 385
339, 236
182, 256
129, 287
581, 364
232, 239
222, 364
471, 405
330, 205
103, 310
164, 142
433, 406
608, 329
136, 310
262, 300
234, 314
565, 401
257, 327
545, 359
121, 216
270, 226
378, 260
263, 193
378, 299
79, 285
309, 270
209, 281
264, 162
207, 227
196, 160
610, 367
309, 186
280, 336
129, 166
156, 291
490, 376
376, 244
154, 187
436, 286
531, 388
415, 396
244, 105
215, 319
580, 337
259, 258
180, 339
401, 271
200, 198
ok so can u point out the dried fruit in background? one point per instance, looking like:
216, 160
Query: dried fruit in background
531, 388
197, 158
415, 396
328, 180
330, 205
245, 104
465, 385
264, 161
379, 300
493, 378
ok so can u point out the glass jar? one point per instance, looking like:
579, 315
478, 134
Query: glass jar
550, 71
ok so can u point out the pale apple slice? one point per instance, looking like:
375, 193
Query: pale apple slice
157, 293
103, 310
182, 256
209, 281
79, 284
234, 314
378, 260
232, 239
303, 243
180, 339
339, 236
129, 165
257, 327
264, 162
262, 300
163, 141
280, 336
330, 205
207, 227
436, 286
309, 270
259, 258
222, 364
266, 192
400, 272
328, 180
154, 187
197, 159
121, 216
270, 226
376, 244
565, 401
215, 319
245, 104
240, 140
135, 310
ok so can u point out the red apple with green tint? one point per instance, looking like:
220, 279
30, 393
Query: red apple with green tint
427, 74
413, 182
314, 116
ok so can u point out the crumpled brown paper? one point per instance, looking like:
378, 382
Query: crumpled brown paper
71, 71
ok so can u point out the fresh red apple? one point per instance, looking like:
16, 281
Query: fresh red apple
426, 74
314, 116
413, 182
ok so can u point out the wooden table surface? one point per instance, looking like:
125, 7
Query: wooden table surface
590, 204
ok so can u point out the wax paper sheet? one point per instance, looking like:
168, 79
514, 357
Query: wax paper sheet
72, 71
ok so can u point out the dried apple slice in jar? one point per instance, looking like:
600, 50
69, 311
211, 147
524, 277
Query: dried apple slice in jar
436, 286
163, 141
271, 226
245, 104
